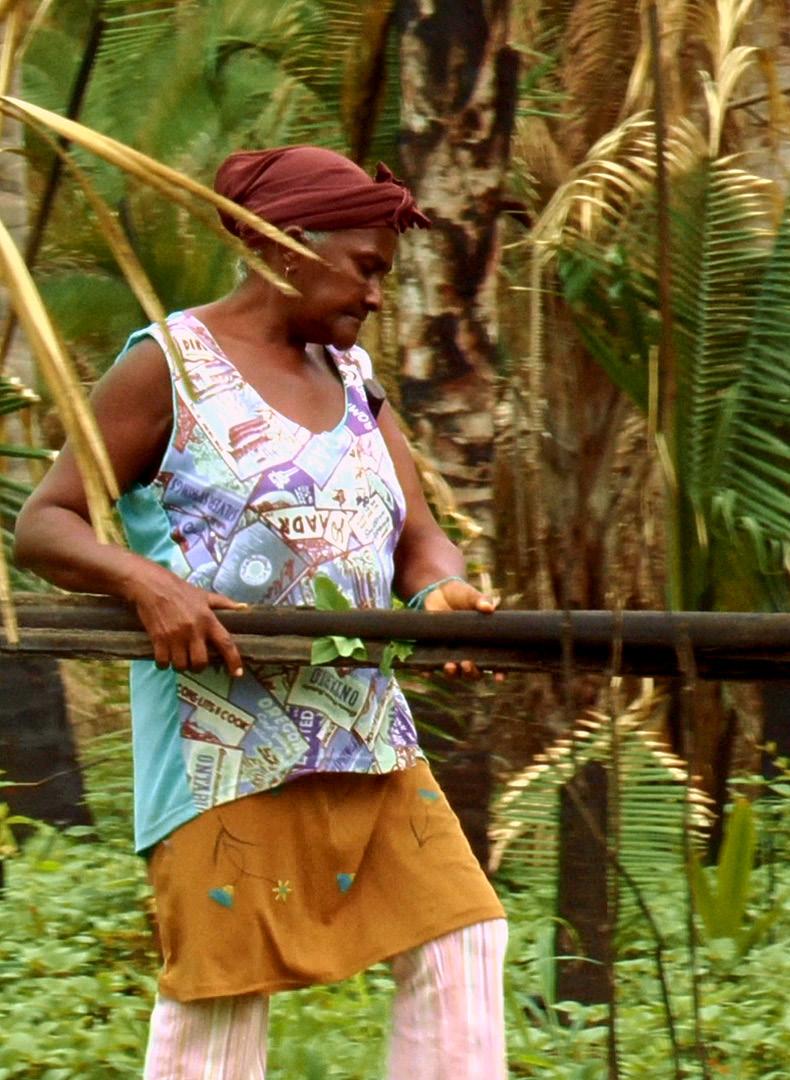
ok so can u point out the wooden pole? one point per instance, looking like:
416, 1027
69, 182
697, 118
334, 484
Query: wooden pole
726, 646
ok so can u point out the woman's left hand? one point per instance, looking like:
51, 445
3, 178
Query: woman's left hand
461, 596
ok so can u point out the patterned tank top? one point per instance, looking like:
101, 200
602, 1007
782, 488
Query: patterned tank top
250, 504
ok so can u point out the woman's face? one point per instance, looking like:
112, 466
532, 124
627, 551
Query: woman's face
338, 294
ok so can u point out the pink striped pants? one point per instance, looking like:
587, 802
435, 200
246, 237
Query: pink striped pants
447, 1022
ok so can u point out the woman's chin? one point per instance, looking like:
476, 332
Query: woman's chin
343, 337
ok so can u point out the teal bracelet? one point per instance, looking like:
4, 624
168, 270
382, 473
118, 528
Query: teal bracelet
417, 602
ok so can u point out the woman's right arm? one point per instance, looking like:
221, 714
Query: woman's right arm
54, 538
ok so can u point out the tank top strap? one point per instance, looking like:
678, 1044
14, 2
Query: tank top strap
198, 368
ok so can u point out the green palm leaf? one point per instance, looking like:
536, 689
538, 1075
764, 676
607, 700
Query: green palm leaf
731, 301
751, 490
653, 797
720, 230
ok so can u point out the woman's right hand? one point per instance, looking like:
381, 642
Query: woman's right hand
180, 621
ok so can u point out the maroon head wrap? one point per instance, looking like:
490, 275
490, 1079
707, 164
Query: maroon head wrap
315, 188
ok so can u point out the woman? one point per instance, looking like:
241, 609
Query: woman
294, 832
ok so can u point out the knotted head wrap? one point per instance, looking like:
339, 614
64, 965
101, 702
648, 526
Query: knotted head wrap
315, 188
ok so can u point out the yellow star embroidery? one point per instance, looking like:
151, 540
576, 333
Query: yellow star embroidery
282, 890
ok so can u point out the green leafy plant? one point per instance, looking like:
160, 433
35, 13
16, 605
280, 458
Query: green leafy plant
722, 907
395, 650
8, 841
328, 597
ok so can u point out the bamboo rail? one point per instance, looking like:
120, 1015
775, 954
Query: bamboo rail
725, 646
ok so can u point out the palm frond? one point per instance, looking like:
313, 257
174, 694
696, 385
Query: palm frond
348, 59
364, 83
719, 92
601, 44
654, 800
617, 176
721, 232
751, 463
132, 27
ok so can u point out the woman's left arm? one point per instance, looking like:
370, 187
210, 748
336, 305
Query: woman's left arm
425, 555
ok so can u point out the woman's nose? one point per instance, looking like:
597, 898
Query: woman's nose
373, 295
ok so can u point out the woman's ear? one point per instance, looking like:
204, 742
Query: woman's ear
290, 258
296, 232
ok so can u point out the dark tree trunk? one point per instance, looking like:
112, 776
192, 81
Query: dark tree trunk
462, 767
36, 744
585, 928
776, 732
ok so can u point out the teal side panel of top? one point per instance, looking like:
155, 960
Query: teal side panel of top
162, 797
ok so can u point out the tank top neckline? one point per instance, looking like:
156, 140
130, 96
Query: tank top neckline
189, 317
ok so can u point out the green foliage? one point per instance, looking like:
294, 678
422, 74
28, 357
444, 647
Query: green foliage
328, 597
730, 300
77, 956
78, 964
395, 650
617, 326
329, 648
722, 906
8, 821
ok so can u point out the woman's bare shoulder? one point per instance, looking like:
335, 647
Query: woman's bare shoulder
138, 381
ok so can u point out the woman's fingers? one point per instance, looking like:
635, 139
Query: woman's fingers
219, 602
221, 639
183, 627
226, 647
468, 669
459, 596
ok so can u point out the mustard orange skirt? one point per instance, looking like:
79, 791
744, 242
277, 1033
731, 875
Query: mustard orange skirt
311, 883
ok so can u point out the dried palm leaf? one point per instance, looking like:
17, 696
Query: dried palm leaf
719, 92
12, 32
124, 253
10, 623
653, 795
177, 186
7, 7
617, 176
95, 466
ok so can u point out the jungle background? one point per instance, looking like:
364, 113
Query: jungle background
589, 351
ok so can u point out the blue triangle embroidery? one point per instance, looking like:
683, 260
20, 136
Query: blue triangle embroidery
345, 881
223, 896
